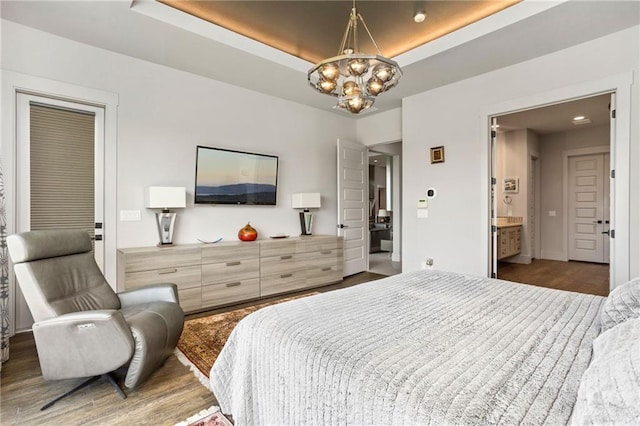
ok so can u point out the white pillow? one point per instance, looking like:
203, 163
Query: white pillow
609, 390
622, 304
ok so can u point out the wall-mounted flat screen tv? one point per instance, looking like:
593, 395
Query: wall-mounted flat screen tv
224, 176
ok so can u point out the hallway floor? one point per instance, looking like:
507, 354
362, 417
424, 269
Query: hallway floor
381, 263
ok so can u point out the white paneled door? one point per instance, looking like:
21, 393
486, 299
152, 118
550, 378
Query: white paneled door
589, 208
353, 215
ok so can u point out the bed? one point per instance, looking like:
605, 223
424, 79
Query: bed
426, 347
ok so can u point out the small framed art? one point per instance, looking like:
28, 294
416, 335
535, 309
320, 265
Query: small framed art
510, 184
437, 154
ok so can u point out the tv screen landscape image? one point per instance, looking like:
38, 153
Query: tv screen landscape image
225, 176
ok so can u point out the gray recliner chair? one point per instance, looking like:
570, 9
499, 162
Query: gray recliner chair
82, 327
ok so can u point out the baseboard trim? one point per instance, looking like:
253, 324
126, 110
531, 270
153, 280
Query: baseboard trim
553, 255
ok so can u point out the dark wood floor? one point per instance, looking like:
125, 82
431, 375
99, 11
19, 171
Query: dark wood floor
581, 277
171, 395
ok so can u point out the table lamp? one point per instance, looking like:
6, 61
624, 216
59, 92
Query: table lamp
306, 201
165, 198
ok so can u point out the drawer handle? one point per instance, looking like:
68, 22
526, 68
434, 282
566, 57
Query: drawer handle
233, 263
326, 269
326, 252
236, 284
168, 271
286, 275
285, 257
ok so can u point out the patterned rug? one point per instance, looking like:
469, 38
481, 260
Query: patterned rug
209, 417
203, 338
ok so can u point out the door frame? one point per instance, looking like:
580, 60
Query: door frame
14, 82
620, 84
603, 149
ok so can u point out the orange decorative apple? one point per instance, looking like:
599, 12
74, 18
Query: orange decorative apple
247, 233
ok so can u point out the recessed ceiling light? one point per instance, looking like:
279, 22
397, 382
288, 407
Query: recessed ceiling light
419, 16
581, 119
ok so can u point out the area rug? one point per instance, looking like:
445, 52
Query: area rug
203, 338
209, 417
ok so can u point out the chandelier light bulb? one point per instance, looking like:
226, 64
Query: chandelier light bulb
329, 72
375, 86
358, 67
327, 86
383, 72
355, 104
350, 88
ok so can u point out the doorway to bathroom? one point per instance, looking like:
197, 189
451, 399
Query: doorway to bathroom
551, 194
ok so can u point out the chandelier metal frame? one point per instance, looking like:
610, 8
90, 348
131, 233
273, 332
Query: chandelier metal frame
355, 78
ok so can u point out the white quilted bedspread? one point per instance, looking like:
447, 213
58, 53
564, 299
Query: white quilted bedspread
425, 347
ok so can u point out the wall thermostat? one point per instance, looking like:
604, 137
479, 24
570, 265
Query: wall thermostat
431, 193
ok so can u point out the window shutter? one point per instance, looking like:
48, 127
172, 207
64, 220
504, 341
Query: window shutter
62, 168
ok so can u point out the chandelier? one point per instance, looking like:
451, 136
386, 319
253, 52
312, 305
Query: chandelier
353, 77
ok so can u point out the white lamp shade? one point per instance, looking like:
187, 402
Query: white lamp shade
383, 213
308, 200
165, 197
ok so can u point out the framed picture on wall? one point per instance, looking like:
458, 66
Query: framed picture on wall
437, 154
510, 184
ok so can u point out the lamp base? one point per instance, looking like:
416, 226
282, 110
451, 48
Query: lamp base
306, 222
165, 222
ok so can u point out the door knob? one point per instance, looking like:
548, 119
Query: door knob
342, 226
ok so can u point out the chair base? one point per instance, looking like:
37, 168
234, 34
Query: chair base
108, 376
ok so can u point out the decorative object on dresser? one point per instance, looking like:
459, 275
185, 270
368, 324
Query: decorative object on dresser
165, 198
305, 201
224, 273
247, 233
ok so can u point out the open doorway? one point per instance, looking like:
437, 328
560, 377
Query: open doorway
384, 209
552, 195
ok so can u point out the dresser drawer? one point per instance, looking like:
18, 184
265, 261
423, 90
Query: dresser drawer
235, 291
322, 244
230, 271
323, 275
280, 247
282, 283
222, 253
184, 277
282, 264
322, 258
190, 299
161, 258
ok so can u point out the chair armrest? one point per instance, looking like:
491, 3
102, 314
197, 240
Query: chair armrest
83, 344
165, 292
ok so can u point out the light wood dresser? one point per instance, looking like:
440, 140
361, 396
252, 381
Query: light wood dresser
211, 275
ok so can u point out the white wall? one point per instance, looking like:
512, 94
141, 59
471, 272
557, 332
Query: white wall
164, 113
453, 234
